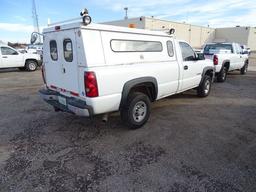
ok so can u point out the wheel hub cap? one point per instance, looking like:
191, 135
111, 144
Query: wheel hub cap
139, 111
207, 87
32, 66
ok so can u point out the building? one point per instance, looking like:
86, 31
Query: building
243, 35
197, 36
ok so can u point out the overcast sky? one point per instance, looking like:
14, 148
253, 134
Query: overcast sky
16, 23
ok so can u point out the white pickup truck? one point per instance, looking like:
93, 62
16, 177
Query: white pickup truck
10, 58
226, 57
97, 69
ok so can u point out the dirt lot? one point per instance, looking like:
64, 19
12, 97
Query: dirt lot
189, 143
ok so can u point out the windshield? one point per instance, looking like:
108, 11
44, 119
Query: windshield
218, 48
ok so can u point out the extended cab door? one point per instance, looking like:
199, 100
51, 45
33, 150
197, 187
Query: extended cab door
239, 56
191, 67
11, 58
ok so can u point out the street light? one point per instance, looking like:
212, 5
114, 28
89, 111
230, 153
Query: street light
126, 13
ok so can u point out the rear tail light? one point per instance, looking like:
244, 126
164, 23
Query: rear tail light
43, 74
90, 83
215, 60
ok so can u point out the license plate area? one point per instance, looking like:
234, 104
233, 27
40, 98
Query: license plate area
62, 100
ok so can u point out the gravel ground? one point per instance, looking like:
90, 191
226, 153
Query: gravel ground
189, 143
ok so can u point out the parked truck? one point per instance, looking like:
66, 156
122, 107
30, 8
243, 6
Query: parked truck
11, 58
226, 57
92, 69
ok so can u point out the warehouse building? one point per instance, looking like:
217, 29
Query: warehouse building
197, 36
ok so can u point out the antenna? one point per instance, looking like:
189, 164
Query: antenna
35, 18
126, 13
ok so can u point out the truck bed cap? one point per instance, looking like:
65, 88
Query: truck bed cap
102, 27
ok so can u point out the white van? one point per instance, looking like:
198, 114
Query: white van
97, 69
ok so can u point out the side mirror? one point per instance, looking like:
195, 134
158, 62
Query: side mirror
34, 37
200, 56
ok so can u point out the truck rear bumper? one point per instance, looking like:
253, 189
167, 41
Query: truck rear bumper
66, 104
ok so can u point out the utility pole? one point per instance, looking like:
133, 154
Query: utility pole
126, 13
35, 18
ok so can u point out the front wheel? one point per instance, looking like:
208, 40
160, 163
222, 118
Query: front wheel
204, 88
222, 75
31, 65
137, 110
244, 69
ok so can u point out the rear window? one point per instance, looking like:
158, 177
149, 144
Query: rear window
53, 50
135, 46
217, 48
68, 50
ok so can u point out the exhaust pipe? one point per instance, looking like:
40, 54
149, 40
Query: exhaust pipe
105, 117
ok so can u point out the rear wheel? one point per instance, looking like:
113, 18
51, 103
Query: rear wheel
244, 69
31, 65
137, 110
204, 88
221, 77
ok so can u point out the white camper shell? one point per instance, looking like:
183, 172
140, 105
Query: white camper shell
98, 69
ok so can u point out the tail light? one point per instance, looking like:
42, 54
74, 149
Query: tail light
215, 60
90, 83
43, 73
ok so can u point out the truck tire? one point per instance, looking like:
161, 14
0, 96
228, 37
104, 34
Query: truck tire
31, 65
222, 75
204, 88
136, 111
244, 69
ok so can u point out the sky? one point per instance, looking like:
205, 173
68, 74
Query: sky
16, 22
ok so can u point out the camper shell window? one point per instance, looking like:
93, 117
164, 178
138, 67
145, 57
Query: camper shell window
118, 45
53, 50
68, 50
170, 48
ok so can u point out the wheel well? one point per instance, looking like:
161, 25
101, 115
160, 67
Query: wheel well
147, 88
227, 64
31, 60
209, 73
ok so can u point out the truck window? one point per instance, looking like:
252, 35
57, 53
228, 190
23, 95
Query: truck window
8, 51
238, 48
53, 50
217, 48
188, 53
135, 46
170, 48
68, 50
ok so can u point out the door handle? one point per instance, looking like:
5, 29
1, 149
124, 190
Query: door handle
4, 57
185, 67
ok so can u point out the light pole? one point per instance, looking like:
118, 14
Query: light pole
126, 13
